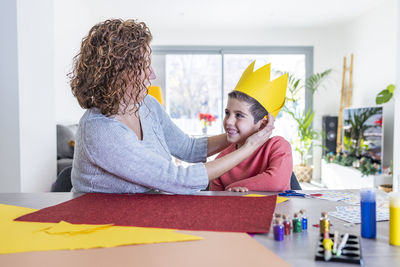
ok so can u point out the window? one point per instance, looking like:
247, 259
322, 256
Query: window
198, 79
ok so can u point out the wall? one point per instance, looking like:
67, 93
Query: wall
28, 154
36, 94
9, 103
372, 39
396, 143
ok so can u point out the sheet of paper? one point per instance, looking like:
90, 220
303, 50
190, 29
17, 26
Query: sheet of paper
69, 228
220, 249
184, 212
31, 236
278, 198
352, 198
352, 214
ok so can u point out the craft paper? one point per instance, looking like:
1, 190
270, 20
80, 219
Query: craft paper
185, 212
257, 84
352, 198
278, 198
29, 236
352, 214
221, 249
69, 228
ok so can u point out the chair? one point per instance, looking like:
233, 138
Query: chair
294, 184
63, 181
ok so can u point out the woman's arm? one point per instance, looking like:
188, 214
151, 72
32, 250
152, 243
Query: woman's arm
116, 150
216, 144
221, 165
179, 143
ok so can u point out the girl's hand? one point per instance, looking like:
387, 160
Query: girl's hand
237, 189
264, 133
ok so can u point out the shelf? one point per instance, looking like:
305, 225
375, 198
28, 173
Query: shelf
335, 176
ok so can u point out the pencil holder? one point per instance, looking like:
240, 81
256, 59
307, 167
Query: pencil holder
394, 219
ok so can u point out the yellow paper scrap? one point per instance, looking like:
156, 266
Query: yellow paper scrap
69, 228
19, 236
278, 198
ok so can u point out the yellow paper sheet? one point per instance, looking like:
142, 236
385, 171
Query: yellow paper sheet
31, 236
63, 227
278, 198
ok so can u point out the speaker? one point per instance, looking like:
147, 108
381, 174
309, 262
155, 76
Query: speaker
329, 126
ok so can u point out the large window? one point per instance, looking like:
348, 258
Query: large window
198, 80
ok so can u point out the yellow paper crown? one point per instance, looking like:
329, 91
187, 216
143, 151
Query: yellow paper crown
257, 84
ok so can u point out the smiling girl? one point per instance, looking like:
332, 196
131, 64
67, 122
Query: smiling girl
269, 168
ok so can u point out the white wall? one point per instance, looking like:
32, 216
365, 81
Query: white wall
28, 155
69, 33
9, 103
372, 39
396, 143
36, 94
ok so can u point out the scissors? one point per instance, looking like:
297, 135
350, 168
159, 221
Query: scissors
289, 193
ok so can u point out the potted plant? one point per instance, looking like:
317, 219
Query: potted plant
306, 135
207, 119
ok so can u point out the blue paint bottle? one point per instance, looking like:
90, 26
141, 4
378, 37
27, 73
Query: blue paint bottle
368, 212
304, 219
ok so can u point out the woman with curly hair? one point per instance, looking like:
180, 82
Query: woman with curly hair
125, 139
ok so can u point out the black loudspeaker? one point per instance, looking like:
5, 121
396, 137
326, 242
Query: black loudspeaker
329, 126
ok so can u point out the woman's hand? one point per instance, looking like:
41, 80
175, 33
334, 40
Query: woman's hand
263, 134
221, 165
237, 189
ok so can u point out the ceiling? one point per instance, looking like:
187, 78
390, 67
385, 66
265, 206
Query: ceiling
228, 14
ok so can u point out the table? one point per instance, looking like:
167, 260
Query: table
298, 249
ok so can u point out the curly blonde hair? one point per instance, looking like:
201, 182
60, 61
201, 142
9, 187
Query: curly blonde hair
113, 57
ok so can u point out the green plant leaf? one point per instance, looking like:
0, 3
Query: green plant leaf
391, 88
308, 119
314, 81
383, 96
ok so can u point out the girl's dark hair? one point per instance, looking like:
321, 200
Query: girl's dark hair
256, 109
113, 58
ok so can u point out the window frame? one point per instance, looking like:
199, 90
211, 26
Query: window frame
307, 51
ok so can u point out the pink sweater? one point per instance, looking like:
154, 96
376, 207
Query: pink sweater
268, 169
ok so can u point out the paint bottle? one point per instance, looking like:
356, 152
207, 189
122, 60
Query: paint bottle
278, 230
287, 224
297, 224
368, 212
304, 219
275, 218
324, 223
394, 219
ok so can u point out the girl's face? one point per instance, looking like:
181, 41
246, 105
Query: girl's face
238, 121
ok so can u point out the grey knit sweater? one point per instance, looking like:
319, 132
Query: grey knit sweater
110, 158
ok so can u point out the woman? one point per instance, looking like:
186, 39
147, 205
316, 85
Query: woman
125, 139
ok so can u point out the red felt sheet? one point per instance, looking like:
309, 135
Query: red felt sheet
186, 212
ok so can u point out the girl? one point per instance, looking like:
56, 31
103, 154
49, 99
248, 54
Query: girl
269, 168
125, 139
